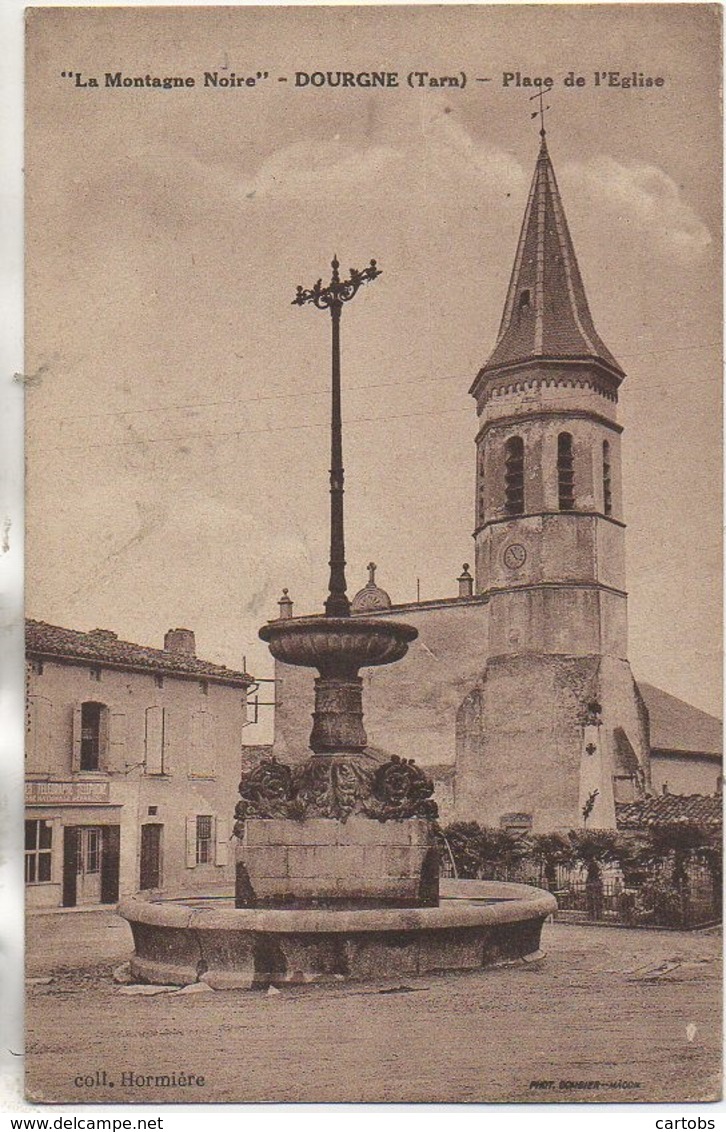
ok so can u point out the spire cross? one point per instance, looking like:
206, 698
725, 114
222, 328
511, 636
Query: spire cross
371, 573
540, 112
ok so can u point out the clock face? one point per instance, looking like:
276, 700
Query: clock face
515, 556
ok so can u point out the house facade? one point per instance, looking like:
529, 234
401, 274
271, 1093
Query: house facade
133, 759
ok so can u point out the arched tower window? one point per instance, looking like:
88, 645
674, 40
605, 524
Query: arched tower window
607, 488
481, 508
565, 472
514, 476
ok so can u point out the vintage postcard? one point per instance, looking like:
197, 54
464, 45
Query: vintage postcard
373, 554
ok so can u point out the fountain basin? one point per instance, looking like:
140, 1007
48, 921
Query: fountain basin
337, 646
476, 924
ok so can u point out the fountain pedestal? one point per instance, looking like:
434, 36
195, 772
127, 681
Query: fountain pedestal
343, 828
327, 863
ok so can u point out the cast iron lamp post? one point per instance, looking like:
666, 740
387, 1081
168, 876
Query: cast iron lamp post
337, 644
332, 298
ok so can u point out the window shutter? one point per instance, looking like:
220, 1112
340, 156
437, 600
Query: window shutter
43, 734
202, 746
76, 742
196, 741
210, 754
191, 841
153, 740
165, 741
221, 854
117, 740
103, 739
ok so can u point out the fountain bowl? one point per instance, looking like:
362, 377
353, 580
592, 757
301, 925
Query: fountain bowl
337, 646
477, 924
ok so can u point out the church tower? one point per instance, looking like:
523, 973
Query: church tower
557, 717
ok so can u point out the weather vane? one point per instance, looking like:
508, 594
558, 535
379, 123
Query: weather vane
540, 111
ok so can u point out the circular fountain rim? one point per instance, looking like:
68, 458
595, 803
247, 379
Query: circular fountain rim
459, 908
324, 624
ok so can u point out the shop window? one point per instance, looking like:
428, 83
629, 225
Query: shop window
38, 850
514, 476
565, 472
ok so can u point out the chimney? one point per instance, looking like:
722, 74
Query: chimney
285, 604
466, 582
664, 788
180, 642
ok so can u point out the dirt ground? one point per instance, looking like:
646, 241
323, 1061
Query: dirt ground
610, 1015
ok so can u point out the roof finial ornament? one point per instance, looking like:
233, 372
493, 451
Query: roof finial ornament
540, 113
371, 568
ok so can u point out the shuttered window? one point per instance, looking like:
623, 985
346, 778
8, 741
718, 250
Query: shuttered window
607, 487
207, 840
565, 472
514, 476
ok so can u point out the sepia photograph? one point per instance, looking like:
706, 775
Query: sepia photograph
373, 741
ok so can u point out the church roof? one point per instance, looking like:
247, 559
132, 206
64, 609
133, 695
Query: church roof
546, 314
705, 809
678, 726
102, 647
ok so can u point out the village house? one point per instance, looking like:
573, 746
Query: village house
133, 759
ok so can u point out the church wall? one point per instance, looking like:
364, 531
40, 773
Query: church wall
409, 707
519, 741
685, 773
522, 737
569, 620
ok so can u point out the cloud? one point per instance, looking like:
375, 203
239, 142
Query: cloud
307, 165
644, 197
493, 167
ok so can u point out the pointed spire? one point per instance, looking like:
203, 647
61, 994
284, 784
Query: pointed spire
546, 314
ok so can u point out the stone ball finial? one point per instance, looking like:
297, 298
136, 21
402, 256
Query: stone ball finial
466, 582
371, 597
285, 604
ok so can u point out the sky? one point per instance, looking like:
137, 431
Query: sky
177, 404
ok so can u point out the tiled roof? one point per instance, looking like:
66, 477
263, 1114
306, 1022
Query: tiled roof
546, 314
101, 646
678, 726
706, 809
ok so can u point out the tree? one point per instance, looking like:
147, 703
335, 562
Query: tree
464, 841
593, 848
549, 850
680, 843
501, 849
631, 850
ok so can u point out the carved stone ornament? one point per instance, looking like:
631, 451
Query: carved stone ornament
336, 787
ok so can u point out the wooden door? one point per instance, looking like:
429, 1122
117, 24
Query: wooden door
150, 871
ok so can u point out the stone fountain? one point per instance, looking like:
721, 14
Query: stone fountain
337, 868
